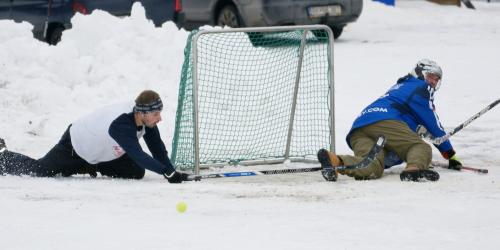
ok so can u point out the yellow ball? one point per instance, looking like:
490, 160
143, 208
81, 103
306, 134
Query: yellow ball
181, 207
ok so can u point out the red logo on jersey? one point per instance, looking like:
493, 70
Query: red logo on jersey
118, 151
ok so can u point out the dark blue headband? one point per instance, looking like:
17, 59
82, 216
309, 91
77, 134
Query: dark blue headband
150, 107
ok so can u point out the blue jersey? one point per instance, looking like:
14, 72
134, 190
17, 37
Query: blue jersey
410, 100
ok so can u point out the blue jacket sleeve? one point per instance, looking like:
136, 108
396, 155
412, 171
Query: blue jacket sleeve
123, 131
157, 147
424, 111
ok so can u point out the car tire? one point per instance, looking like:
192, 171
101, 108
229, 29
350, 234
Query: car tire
321, 35
229, 16
54, 35
337, 31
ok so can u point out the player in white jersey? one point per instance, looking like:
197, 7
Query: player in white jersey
105, 141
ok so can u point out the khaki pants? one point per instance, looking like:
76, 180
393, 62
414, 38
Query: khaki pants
399, 138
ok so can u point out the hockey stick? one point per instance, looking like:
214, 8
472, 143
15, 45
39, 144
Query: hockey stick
422, 131
445, 165
254, 173
364, 163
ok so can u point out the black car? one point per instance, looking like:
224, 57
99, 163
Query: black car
253, 13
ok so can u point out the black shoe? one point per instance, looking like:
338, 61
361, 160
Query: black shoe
361, 178
3, 147
328, 172
418, 175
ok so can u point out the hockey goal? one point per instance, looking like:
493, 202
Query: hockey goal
255, 96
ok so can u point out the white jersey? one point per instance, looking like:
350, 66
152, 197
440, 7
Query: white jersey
90, 137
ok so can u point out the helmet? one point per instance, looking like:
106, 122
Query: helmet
426, 66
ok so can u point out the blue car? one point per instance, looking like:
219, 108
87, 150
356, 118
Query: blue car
48, 17
51, 17
158, 11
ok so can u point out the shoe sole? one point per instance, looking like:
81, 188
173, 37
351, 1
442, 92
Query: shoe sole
427, 174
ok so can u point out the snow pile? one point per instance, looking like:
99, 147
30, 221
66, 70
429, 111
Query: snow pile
101, 60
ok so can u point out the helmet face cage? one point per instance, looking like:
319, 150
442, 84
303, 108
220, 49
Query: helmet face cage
438, 84
426, 66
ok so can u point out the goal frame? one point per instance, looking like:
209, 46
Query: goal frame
306, 29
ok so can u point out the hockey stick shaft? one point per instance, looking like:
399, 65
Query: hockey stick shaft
255, 173
444, 165
479, 170
442, 139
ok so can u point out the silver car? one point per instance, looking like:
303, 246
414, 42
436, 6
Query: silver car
254, 13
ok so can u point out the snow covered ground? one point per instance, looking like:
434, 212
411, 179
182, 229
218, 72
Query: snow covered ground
104, 59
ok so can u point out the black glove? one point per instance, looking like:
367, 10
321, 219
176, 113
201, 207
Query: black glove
454, 163
176, 177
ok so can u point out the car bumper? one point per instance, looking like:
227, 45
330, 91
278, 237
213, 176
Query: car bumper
274, 13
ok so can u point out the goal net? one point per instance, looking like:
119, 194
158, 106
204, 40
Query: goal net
255, 95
